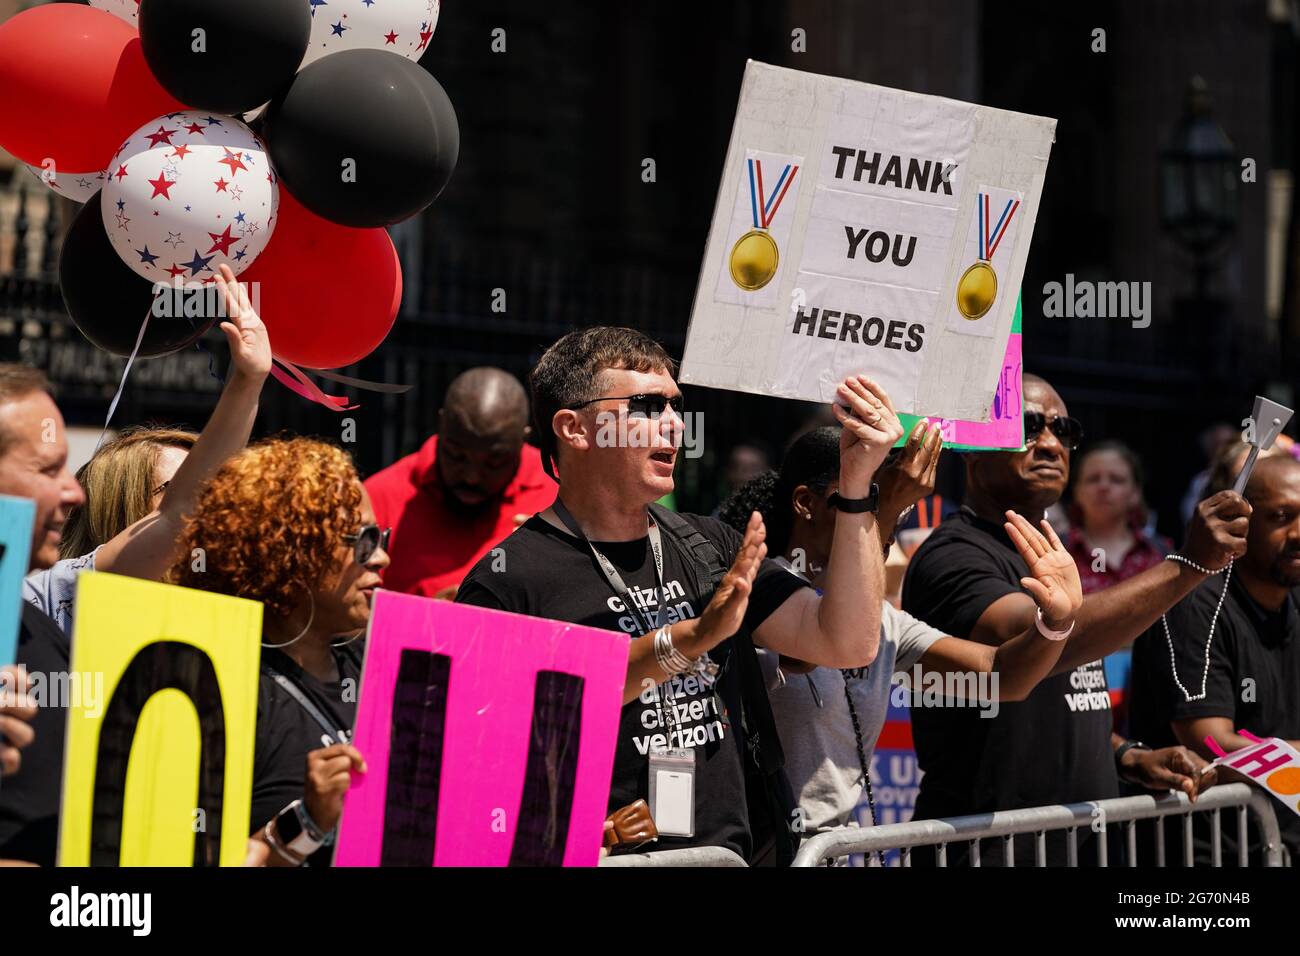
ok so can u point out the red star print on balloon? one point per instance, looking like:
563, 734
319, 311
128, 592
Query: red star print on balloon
161, 185
223, 241
163, 135
233, 161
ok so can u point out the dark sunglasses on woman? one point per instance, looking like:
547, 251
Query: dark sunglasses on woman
367, 541
647, 405
1068, 430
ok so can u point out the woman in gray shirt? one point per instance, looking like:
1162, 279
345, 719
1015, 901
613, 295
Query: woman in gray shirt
829, 719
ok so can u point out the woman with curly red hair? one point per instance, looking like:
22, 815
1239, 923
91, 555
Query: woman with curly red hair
288, 523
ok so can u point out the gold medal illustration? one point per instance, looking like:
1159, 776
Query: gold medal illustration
754, 259
755, 256
977, 289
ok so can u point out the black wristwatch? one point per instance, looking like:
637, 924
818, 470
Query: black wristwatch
856, 506
1121, 750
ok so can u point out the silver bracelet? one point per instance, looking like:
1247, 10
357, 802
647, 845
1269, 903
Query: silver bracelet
670, 660
1192, 564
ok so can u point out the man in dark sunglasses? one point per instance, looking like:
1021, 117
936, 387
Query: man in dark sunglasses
691, 593
1056, 746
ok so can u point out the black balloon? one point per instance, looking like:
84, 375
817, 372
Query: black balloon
108, 301
363, 138
247, 53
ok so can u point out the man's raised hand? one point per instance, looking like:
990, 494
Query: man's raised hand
726, 611
1054, 579
871, 427
1217, 533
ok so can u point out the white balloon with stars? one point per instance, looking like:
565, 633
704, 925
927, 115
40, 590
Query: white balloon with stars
398, 26
188, 192
79, 187
128, 10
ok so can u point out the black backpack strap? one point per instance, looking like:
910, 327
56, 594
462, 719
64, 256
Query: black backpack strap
708, 558
758, 723
768, 795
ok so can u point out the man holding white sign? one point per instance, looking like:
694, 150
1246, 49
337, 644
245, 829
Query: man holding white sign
694, 595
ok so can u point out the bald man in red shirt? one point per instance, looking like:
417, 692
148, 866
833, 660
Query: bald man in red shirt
467, 488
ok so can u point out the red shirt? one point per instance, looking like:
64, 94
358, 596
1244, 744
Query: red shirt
1144, 554
434, 546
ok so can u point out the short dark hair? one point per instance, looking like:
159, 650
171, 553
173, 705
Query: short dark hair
568, 373
813, 459
18, 381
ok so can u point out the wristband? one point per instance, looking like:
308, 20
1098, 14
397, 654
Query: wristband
273, 842
294, 831
856, 506
1047, 632
1121, 750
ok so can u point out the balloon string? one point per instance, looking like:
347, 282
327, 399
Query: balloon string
362, 383
121, 386
307, 388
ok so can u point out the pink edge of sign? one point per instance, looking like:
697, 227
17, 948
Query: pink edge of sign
495, 657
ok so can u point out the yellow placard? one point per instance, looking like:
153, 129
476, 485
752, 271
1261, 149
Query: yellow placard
158, 765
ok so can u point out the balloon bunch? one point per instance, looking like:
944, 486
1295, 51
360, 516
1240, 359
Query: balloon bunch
279, 137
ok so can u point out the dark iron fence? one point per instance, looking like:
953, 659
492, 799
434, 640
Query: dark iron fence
448, 324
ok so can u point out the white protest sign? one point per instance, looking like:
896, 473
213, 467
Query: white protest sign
860, 229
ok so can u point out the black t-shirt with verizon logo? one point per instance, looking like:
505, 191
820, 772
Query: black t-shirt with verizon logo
549, 573
1053, 747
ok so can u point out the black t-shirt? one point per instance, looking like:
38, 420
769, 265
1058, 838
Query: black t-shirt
29, 800
1253, 678
287, 732
551, 574
1053, 747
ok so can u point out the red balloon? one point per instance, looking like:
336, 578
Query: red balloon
328, 293
75, 85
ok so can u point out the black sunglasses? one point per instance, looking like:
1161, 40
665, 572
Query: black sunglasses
650, 405
367, 541
1068, 430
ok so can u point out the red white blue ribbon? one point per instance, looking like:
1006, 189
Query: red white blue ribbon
762, 207
991, 237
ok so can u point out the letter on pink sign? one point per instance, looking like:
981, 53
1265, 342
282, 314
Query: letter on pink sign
1257, 761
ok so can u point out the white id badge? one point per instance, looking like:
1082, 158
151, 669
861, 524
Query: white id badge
672, 792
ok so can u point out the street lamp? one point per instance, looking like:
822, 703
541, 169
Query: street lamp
1198, 182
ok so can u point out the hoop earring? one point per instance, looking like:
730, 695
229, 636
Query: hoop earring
303, 633
355, 637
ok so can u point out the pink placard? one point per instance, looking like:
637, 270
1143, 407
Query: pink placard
489, 738
1005, 427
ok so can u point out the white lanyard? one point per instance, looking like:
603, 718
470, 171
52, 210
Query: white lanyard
611, 573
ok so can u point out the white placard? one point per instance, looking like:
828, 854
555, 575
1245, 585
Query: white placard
859, 268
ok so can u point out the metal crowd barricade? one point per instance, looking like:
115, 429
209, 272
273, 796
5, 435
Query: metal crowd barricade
690, 856
1039, 821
